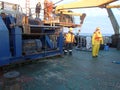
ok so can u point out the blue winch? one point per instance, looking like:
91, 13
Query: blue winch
20, 43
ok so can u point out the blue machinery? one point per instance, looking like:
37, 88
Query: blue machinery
16, 46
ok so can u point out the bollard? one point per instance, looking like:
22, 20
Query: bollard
11, 82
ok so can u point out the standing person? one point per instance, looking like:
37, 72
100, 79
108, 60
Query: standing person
6, 20
48, 9
37, 9
88, 43
3, 15
69, 41
97, 39
78, 33
77, 38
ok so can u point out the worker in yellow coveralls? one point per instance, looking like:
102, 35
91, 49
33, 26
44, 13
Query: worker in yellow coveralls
69, 41
97, 40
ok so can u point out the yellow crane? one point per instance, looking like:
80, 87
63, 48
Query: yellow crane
83, 4
65, 8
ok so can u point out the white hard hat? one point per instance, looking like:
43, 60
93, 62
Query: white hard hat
98, 28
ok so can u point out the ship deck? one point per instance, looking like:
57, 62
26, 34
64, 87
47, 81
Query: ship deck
77, 72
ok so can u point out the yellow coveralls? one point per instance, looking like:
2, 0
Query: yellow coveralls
69, 38
97, 39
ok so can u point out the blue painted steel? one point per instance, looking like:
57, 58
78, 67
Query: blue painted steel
35, 56
15, 37
38, 44
60, 41
17, 41
13, 45
4, 44
49, 42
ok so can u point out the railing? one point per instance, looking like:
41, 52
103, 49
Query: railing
84, 42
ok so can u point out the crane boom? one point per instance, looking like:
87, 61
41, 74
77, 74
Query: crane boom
68, 12
83, 4
113, 6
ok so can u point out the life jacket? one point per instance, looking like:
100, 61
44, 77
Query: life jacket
97, 38
69, 37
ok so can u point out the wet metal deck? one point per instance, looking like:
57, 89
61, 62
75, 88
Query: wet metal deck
77, 72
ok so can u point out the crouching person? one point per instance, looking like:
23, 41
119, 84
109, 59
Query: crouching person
69, 41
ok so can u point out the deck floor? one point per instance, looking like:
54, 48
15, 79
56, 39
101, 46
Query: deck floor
77, 72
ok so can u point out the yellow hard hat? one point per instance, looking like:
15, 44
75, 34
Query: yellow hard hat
71, 29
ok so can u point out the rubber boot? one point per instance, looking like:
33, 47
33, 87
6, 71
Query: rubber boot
65, 52
70, 52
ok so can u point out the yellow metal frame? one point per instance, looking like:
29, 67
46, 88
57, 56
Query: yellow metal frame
83, 4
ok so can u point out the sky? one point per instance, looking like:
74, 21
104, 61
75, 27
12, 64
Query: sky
95, 17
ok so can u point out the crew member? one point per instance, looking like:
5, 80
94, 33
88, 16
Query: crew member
37, 9
97, 39
7, 21
69, 41
88, 43
77, 38
3, 15
48, 9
